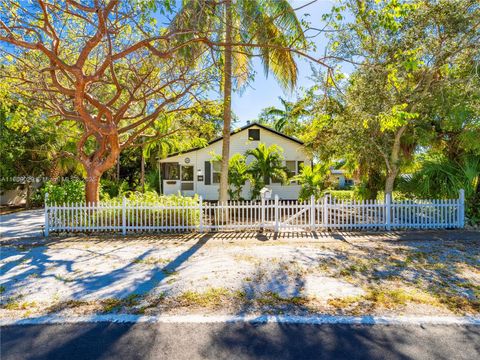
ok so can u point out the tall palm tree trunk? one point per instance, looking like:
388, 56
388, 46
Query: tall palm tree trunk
227, 102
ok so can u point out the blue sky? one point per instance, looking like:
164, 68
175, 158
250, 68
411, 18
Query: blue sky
264, 91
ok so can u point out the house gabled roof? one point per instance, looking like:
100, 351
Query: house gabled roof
236, 131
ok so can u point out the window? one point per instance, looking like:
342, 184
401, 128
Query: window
254, 134
291, 168
216, 171
171, 171
187, 173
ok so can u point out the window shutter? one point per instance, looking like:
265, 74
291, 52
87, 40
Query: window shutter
299, 166
208, 173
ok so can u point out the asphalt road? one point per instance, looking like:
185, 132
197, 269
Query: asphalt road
238, 341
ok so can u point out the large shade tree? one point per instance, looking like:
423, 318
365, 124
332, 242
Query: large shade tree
104, 67
404, 52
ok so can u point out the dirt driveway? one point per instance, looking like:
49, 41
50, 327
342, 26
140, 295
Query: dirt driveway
404, 273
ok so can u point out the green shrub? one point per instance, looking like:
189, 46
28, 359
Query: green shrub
68, 191
112, 188
160, 213
186, 215
346, 195
314, 181
396, 195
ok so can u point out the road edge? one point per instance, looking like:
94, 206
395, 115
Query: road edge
254, 319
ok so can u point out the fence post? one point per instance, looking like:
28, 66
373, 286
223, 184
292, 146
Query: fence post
325, 212
461, 209
388, 211
312, 213
263, 213
276, 213
124, 216
200, 208
47, 225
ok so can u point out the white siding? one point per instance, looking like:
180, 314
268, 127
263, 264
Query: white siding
239, 143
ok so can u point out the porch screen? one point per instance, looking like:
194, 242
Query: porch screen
171, 171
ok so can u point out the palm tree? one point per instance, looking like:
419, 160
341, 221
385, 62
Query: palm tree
273, 28
267, 165
314, 180
442, 177
289, 115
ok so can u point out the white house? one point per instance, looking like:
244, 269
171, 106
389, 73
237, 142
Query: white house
194, 172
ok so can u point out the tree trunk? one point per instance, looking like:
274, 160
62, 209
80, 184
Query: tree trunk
55, 171
393, 165
92, 185
118, 168
390, 181
227, 102
96, 164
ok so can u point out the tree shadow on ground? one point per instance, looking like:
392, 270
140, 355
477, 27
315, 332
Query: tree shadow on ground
279, 293
34, 265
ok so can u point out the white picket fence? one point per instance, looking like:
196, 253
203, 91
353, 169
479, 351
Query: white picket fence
275, 215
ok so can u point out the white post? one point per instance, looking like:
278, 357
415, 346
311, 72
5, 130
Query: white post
325, 212
461, 209
263, 213
276, 213
124, 216
312, 213
388, 208
200, 208
47, 225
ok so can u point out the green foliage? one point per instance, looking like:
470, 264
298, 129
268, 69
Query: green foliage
286, 120
238, 175
112, 188
396, 117
68, 191
267, 165
270, 26
314, 181
152, 180
159, 214
406, 94
346, 195
439, 177
152, 197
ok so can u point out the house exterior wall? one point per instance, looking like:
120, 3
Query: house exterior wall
239, 143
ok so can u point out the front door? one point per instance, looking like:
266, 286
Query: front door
187, 186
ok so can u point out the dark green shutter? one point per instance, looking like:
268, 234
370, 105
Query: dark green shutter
299, 166
208, 173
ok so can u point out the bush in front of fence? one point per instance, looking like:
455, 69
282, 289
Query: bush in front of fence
136, 211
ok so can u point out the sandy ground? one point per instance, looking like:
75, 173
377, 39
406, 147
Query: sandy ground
428, 273
22, 224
